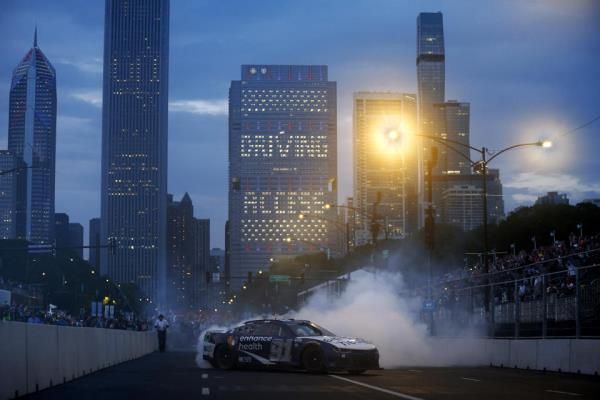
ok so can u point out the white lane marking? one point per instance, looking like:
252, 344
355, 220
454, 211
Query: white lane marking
471, 379
397, 394
561, 392
205, 391
414, 370
204, 376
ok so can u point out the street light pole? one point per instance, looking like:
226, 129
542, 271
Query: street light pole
430, 232
485, 229
483, 164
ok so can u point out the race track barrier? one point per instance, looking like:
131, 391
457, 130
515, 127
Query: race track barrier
559, 355
35, 356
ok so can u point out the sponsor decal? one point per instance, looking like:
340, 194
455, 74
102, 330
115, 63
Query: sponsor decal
256, 338
345, 343
251, 346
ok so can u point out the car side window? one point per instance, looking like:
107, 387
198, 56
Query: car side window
246, 329
266, 329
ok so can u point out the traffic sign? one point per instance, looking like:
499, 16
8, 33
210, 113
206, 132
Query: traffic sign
279, 278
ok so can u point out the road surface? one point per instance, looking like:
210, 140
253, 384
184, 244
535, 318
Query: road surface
174, 375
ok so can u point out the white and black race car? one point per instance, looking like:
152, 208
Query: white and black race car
288, 343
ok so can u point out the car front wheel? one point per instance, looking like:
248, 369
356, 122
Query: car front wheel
224, 357
313, 360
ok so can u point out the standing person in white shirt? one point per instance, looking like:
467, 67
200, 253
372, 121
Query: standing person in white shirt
161, 326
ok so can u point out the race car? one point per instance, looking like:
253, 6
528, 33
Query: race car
288, 343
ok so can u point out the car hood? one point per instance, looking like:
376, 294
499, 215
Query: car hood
343, 342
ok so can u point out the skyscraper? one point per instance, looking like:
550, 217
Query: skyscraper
455, 121
76, 238
180, 254
32, 141
134, 143
431, 75
94, 242
463, 206
61, 230
8, 191
282, 164
385, 168
199, 291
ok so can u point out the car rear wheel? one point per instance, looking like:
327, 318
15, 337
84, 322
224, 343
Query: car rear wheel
224, 357
356, 371
313, 360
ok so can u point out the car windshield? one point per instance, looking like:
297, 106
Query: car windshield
309, 329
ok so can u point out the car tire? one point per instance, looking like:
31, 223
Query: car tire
313, 360
356, 371
224, 357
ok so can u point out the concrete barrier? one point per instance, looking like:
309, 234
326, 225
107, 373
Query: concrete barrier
564, 355
523, 354
553, 354
35, 356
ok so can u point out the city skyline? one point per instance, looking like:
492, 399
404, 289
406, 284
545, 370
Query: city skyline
199, 133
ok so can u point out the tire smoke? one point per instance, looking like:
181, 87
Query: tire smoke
375, 307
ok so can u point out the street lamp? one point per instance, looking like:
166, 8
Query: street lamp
482, 167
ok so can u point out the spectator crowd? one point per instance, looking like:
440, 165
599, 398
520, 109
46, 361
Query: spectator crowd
552, 268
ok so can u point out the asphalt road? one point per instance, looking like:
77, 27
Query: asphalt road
174, 375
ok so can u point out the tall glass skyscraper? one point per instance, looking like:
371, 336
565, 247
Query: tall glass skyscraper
282, 164
134, 143
32, 141
455, 126
431, 75
385, 167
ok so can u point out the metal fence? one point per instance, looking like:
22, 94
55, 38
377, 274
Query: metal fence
564, 303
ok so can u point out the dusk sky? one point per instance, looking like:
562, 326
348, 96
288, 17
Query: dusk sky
529, 68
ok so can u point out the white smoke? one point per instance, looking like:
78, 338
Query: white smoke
375, 307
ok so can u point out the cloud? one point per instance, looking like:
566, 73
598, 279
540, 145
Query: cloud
529, 185
197, 106
92, 97
535, 182
200, 107
90, 65
524, 198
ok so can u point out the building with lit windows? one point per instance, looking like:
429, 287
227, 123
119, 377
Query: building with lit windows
188, 244
455, 121
282, 165
8, 191
461, 191
201, 236
385, 164
134, 143
32, 141
464, 206
431, 78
